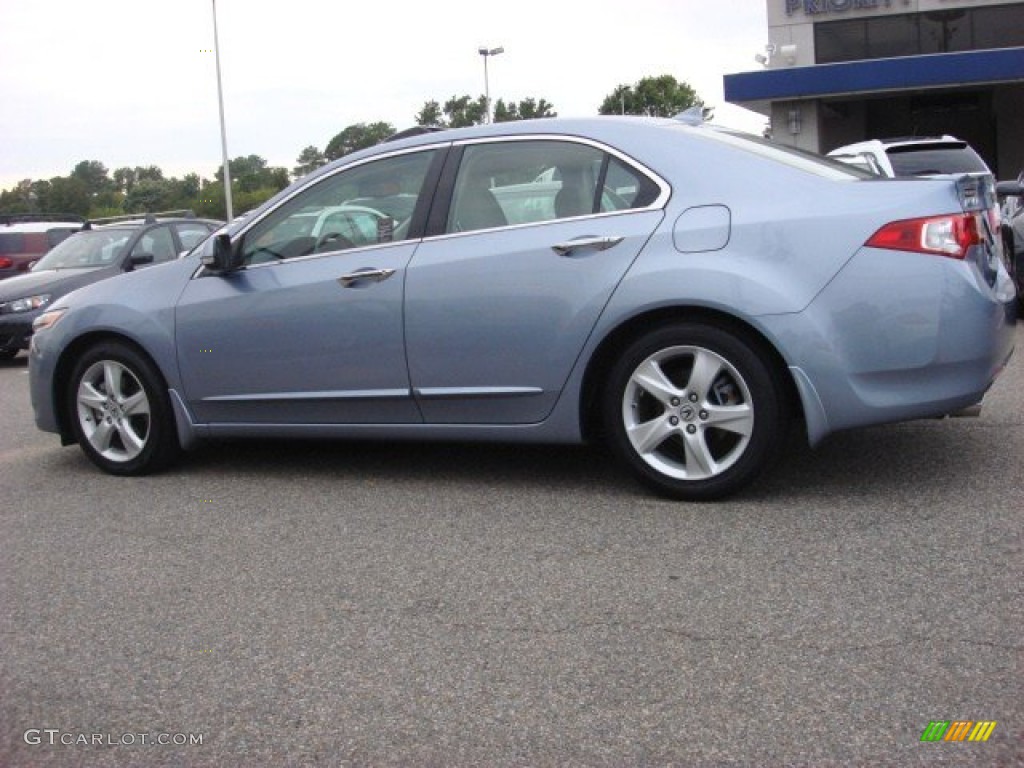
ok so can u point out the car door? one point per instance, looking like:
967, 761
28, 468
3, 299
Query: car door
310, 330
500, 301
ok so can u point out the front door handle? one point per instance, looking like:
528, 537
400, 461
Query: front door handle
592, 243
360, 275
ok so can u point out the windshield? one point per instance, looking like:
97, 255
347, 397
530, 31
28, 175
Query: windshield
86, 250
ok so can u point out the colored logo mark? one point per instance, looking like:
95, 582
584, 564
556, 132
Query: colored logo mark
958, 730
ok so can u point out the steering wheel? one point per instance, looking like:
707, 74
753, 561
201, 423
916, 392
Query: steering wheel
336, 240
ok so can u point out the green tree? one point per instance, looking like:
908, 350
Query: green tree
461, 111
149, 196
125, 178
662, 96
93, 174
527, 109
308, 161
20, 199
431, 114
357, 136
251, 172
68, 194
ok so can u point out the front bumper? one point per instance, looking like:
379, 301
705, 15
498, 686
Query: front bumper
16, 330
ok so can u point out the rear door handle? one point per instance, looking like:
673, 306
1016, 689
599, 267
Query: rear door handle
360, 275
590, 243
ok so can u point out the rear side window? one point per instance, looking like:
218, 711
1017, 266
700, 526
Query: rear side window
12, 242
951, 157
58, 235
529, 182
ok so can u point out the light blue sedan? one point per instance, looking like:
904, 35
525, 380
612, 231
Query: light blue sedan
681, 292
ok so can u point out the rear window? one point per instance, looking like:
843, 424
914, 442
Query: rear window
926, 160
826, 167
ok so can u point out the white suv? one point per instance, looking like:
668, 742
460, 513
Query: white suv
933, 156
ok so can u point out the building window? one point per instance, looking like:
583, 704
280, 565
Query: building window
882, 37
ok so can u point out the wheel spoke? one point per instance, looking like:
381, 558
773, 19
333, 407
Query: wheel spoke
699, 461
652, 380
648, 436
133, 443
731, 418
706, 368
112, 379
101, 436
136, 405
90, 397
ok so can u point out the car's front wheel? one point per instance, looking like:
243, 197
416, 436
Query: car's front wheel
695, 411
120, 412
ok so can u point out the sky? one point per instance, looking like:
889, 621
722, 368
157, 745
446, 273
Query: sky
134, 82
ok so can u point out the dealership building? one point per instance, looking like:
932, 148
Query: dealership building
839, 71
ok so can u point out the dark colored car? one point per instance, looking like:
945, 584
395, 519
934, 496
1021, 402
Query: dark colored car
1012, 195
92, 254
24, 237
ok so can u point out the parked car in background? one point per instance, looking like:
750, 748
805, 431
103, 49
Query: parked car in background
101, 248
24, 237
665, 288
913, 156
1012, 195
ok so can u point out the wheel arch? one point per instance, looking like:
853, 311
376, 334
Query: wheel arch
625, 333
66, 365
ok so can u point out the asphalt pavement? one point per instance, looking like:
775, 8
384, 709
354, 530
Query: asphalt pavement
374, 604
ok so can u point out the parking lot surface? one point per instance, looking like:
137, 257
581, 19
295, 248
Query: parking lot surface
425, 604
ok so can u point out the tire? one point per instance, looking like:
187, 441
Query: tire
695, 411
120, 412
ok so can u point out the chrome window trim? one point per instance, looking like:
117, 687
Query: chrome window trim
311, 256
545, 223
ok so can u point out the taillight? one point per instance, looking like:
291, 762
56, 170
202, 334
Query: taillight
6, 263
950, 236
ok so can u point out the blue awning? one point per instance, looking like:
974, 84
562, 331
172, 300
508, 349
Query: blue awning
935, 70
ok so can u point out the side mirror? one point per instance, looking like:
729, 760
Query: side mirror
137, 260
222, 257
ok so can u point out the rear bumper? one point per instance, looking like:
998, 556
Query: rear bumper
896, 337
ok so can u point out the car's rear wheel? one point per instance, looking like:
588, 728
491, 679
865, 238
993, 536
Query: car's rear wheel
120, 412
695, 412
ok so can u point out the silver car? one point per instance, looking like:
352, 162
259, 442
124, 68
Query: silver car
682, 292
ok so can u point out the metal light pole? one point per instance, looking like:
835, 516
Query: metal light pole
487, 53
223, 131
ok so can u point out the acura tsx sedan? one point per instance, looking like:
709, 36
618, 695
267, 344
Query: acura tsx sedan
681, 292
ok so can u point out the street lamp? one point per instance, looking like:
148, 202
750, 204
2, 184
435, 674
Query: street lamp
223, 132
486, 53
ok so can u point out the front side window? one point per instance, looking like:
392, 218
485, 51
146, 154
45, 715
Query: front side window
527, 182
370, 204
157, 242
191, 235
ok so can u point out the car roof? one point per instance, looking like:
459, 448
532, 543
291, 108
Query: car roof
39, 222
